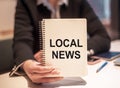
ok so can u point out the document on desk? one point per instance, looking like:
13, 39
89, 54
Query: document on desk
117, 62
109, 56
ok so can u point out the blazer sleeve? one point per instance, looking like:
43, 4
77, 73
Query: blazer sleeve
23, 37
99, 40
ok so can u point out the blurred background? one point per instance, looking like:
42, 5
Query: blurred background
106, 10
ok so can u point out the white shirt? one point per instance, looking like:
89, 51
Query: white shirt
53, 10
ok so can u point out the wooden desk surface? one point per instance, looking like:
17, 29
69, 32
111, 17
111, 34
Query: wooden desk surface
108, 77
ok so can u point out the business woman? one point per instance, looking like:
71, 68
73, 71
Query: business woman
26, 34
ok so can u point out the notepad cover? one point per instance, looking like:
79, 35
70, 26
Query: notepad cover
65, 45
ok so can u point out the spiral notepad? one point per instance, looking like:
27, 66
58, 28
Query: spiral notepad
64, 43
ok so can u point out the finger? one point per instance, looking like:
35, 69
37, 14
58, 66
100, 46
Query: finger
55, 71
94, 62
42, 75
39, 55
35, 67
42, 69
37, 78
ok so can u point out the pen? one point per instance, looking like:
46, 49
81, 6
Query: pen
103, 65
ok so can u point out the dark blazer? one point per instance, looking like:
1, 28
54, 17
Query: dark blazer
26, 33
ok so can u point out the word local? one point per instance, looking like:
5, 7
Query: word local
65, 54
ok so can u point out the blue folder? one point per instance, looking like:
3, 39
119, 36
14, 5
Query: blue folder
109, 55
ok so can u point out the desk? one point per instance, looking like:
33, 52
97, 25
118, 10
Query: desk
108, 77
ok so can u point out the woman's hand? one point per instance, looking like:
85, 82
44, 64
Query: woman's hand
39, 74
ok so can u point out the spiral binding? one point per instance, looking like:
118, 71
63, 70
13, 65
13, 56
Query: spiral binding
42, 40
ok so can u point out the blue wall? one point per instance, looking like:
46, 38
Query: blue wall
101, 7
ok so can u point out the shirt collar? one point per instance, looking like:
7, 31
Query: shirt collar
45, 2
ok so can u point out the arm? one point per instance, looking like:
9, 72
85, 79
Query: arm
23, 38
99, 40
